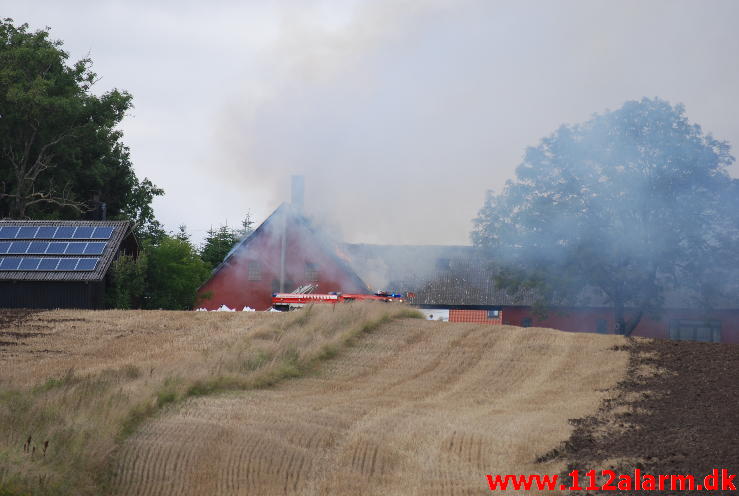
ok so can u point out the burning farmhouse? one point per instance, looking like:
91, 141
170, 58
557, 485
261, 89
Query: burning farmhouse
288, 252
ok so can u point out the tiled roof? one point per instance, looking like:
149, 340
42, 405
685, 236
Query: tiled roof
121, 229
467, 282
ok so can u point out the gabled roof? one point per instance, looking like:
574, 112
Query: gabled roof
56, 250
293, 216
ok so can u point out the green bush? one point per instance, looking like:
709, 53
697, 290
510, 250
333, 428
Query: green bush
174, 273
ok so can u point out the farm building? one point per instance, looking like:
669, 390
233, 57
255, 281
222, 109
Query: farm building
453, 283
59, 264
283, 253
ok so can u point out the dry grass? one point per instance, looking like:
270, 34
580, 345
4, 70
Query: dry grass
85, 381
414, 408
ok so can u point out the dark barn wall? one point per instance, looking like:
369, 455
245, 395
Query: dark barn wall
586, 320
51, 294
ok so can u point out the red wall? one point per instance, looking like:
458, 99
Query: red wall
586, 320
231, 286
475, 316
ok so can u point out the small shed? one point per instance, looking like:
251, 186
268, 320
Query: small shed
59, 264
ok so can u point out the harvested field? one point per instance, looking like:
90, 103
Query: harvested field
85, 380
43, 345
413, 408
158, 403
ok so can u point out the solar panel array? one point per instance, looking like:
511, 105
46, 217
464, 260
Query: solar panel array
52, 248
55, 232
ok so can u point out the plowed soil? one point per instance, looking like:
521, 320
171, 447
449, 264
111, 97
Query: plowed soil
677, 412
413, 408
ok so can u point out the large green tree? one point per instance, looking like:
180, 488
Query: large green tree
59, 142
628, 206
166, 274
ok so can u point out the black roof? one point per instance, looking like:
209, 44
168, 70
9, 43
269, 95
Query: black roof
103, 257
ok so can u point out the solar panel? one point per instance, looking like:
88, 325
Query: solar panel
48, 264
87, 264
83, 232
103, 232
64, 232
51, 248
38, 247
75, 248
67, 264
27, 232
54, 232
8, 232
9, 263
19, 247
56, 248
29, 263
94, 249
46, 232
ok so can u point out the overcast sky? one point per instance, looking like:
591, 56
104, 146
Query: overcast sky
400, 114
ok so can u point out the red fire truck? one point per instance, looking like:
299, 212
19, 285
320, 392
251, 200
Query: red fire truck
290, 301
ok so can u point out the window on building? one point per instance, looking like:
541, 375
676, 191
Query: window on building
254, 270
493, 314
311, 271
601, 326
526, 322
696, 330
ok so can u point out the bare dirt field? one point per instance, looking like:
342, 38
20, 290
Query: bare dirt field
413, 408
683, 419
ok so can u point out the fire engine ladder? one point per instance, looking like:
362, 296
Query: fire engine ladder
305, 289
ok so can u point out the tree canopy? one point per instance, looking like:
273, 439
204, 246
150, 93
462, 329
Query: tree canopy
59, 142
630, 205
218, 242
166, 275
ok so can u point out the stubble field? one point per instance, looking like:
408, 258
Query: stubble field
414, 408
190, 403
